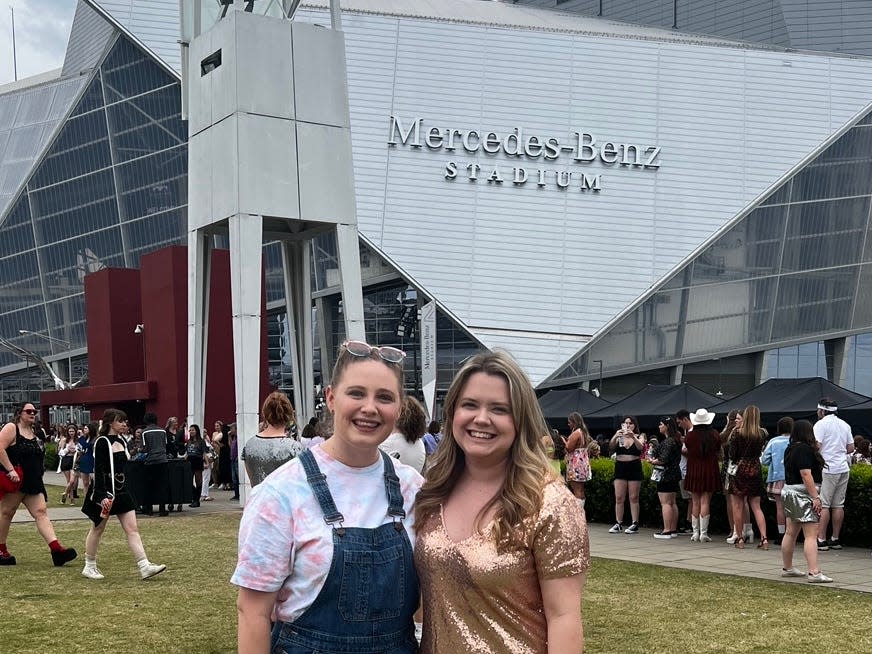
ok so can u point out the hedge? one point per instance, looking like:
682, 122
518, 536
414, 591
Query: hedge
600, 494
51, 456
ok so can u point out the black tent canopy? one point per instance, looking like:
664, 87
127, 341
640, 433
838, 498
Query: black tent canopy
558, 404
797, 398
651, 403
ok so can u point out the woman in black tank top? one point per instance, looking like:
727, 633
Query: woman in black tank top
20, 449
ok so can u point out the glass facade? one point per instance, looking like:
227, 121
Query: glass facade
790, 270
111, 186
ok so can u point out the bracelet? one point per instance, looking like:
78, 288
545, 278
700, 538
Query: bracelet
815, 498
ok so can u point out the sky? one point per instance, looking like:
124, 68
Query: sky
42, 28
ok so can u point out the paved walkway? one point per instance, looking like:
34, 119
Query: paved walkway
221, 503
851, 567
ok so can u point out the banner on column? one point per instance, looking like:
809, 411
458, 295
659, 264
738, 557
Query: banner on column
428, 356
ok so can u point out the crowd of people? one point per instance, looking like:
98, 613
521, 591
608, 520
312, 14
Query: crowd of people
359, 529
806, 476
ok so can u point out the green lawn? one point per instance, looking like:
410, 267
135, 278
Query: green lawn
190, 608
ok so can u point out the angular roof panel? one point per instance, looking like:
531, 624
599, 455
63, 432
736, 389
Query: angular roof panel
89, 36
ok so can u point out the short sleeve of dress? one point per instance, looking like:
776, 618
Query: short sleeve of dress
266, 543
561, 546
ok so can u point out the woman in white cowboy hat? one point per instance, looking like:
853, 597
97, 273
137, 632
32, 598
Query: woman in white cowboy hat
702, 445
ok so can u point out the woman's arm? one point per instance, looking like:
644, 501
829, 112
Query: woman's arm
574, 441
253, 613
561, 600
7, 435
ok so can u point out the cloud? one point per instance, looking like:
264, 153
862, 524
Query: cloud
42, 29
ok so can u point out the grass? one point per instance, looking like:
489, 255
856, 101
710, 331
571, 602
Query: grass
628, 607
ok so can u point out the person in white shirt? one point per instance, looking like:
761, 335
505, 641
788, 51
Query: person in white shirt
405, 442
836, 443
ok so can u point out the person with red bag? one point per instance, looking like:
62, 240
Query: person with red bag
21, 458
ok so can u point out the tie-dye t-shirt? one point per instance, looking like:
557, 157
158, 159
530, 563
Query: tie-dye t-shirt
284, 543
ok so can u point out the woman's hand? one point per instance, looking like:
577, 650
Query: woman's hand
13, 476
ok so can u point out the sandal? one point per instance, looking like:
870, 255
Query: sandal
763, 544
740, 543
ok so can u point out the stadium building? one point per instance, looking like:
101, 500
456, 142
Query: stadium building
617, 193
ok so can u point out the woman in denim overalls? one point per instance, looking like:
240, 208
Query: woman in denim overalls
325, 544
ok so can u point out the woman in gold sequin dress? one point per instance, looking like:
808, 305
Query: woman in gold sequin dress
502, 549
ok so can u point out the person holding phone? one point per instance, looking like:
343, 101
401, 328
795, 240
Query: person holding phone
628, 446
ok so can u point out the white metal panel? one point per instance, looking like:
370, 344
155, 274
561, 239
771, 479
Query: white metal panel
731, 122
154, 22
89, 37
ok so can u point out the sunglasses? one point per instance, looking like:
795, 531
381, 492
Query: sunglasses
385, 353
30, 412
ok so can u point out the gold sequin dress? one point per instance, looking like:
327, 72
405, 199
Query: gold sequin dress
478, 600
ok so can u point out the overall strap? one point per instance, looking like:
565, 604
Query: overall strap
318, 482
392, 486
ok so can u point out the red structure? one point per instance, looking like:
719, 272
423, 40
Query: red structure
139, 370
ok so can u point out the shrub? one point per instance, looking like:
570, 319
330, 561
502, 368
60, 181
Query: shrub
600, 503
51, 456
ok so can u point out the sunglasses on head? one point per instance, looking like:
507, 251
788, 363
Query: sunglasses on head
385, 353
30, 412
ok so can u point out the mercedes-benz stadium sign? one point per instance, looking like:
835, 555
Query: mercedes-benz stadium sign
583, 148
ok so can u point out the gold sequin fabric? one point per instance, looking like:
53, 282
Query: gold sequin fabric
477, 599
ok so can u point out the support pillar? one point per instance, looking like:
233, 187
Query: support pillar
246, 254
348, 250
296, 261
199, 261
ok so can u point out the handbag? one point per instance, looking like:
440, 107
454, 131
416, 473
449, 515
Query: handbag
732, 468
657, 473
9, 486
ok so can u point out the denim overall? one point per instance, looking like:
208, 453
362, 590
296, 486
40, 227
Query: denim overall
371, 591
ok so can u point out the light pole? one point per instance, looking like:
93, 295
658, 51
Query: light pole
68, 345
600, 387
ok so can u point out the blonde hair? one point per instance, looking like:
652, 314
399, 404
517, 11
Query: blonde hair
751, 422
527, 471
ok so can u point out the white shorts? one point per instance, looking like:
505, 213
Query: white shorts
833, 490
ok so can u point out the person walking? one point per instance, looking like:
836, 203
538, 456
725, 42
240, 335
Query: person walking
577, 457
836, 444
109, 496
21, 458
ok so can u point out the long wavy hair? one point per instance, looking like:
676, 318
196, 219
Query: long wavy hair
577, 421
527, 472
751, 423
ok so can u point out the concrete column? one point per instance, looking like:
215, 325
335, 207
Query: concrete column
298, 291
199, 246
835, 349
349, 274
246, 253
676, 374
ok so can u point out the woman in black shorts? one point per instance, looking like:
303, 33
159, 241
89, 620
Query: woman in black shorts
627, 445
666, 460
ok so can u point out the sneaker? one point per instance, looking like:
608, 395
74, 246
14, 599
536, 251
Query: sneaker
664, 535
616, 528
151, 570
834, 544
819, 578
64, 556
673, 534
92, 573
632, 529
7, 559
792, 572
823, 545
683, 531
